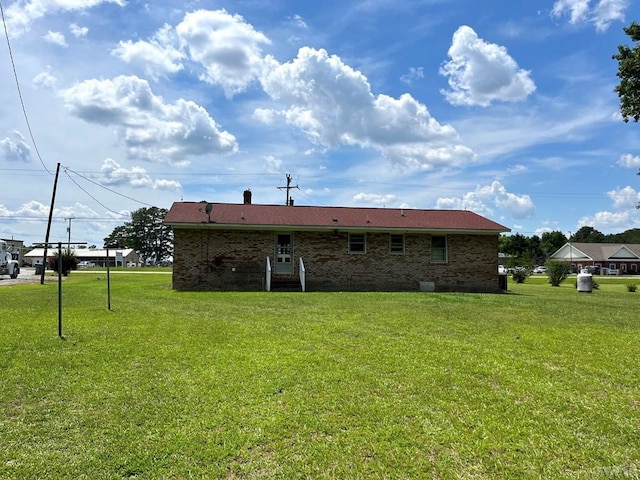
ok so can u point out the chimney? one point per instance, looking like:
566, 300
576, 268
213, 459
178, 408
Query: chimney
247, 197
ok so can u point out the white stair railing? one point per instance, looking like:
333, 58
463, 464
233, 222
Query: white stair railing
303, 275
268, 274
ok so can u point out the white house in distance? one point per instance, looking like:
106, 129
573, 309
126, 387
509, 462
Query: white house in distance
120, 257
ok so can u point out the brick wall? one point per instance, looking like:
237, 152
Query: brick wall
236, 260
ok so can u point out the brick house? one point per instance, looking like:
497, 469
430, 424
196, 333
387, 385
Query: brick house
224, 246
611, 258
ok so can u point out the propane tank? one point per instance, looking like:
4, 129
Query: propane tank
585, 281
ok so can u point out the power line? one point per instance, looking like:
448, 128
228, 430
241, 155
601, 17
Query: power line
67, 169
328, 180
15, 75
94, 198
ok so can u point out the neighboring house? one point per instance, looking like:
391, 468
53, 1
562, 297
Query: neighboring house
612, 258
224, 246
97, 256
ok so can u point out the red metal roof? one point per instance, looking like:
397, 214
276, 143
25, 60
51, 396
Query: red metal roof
256, 216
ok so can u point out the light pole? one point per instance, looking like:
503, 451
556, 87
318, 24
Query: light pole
570, 254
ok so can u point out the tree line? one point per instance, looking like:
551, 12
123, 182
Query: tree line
535, 250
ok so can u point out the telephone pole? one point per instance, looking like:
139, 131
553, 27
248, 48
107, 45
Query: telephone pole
288, 188
46, 238
69, 231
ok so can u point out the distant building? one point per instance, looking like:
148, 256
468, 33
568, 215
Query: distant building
120, 257
610, 258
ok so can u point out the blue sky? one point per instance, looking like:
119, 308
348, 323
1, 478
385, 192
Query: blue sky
500, 107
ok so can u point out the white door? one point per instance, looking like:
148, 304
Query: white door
284, 253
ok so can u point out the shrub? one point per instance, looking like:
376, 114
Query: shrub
631, 287
557, 272
520, 274
69, 261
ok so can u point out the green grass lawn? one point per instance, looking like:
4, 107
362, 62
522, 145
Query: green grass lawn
542, 383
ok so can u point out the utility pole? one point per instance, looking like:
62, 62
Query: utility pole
46, 240
570, 255
287, 188
69, 231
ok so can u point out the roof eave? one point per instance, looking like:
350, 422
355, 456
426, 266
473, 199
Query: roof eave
331, 228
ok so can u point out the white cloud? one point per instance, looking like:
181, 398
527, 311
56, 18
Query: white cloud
265, 115
542, 230
150, 128
157, 57
45, 79
374, 199
76, 210
274, 165
164, 184
31, 209
608, 11
37, 210
601, 15
481, 73
333, 105
56, 38
415, 73
629, 161
78, 31
137, 177
15, 149
21, 14
299, 22
485, 198
609, 221
226, 46
625, 197
578, 10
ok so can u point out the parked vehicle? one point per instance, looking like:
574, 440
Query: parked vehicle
86, 264
8, 266
539, 269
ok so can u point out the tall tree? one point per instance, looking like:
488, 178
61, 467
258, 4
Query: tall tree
588, 235
629, 73
516, 245
535, 250
551, 242
146, 234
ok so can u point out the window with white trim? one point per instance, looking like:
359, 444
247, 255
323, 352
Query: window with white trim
438, 249
396, 244
357, 243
